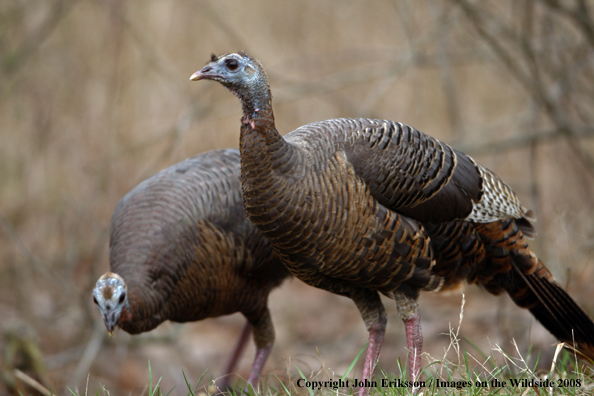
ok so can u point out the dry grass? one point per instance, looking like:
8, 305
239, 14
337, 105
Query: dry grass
95, 97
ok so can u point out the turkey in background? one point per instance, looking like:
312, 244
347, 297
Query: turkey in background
182, 249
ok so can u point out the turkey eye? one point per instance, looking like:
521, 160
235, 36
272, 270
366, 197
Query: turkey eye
95, 300
122, 297
232, 64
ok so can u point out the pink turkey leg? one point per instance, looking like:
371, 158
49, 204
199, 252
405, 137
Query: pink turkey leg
376, 338
414, 340
237, 351
261, 357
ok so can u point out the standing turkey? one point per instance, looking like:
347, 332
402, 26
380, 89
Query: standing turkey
182, 249
361, 206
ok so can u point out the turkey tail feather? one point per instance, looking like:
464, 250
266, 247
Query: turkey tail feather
513, 267
554, 308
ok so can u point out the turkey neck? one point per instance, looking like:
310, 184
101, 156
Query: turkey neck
265, 155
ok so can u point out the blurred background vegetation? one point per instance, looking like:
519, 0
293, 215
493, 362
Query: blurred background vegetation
95, 97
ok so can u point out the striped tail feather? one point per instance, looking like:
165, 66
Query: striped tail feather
513, 267
552, 306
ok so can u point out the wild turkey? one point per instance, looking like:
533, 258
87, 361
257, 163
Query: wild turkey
361, 206
182, 249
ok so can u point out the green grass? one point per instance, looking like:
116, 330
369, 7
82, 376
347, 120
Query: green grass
471, 373
484, 375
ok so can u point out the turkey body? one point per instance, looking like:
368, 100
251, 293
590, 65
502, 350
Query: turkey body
361, 206
182, 244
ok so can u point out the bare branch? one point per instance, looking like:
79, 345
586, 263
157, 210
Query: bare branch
480, 24
444, 62
31, 257
581, 15
59, 9
523, 141
531, 80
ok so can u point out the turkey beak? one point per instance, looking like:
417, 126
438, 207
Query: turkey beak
110, 319
204, 74
197, 76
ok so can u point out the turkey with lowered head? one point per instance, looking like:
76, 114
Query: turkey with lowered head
182, 249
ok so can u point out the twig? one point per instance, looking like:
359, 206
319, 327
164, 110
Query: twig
444, 63
90, 353
221, 21
62, 358
518, 142
32, 383
532, 80
35, 261
148, 50
558, 349
58, 10
581, 15
507, 58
